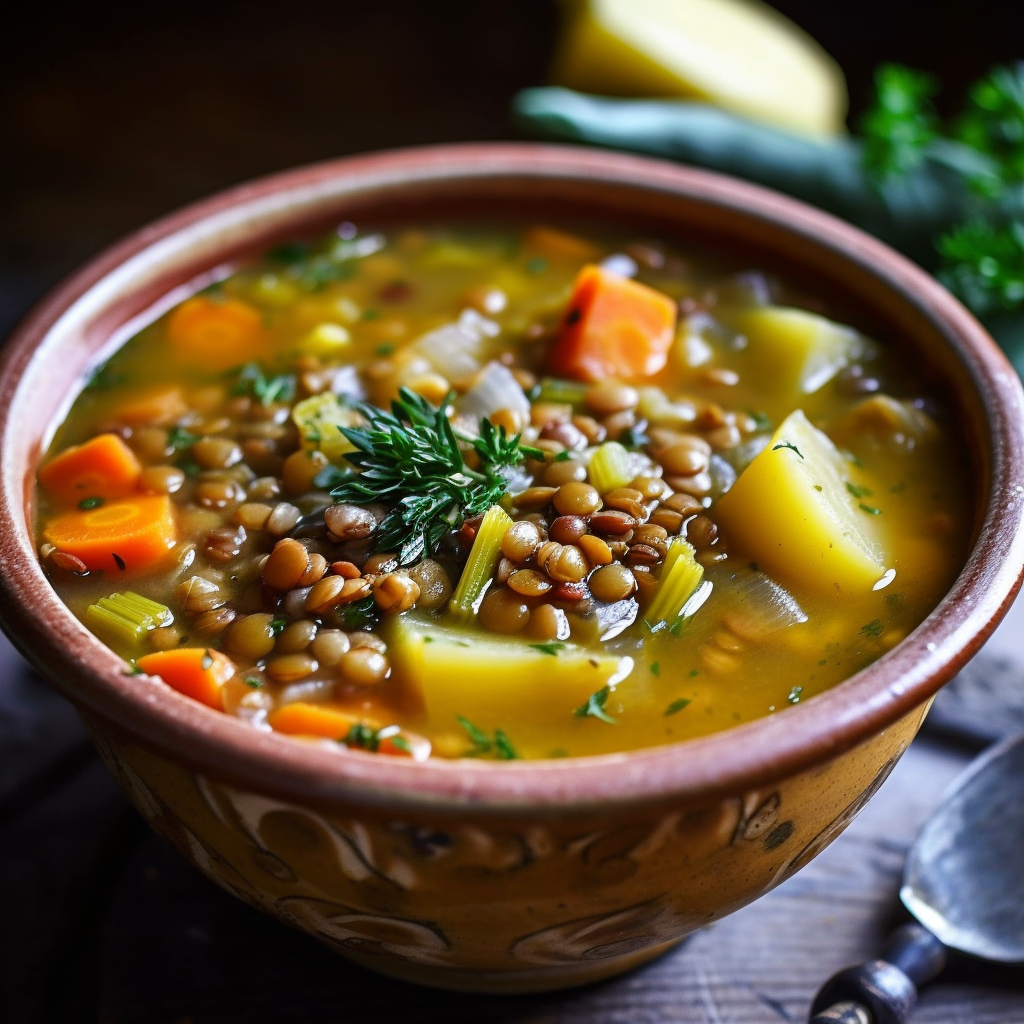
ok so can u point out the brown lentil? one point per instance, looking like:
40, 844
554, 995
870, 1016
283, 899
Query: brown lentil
596, 550
395, 592
565, 563
558, 473
671, 522
650, 487
701, 532
163, 638
593, 431
567, 529
686, 457
511, 419
378, 562
347, 570
286, 565
150, 443
299, 468
529, 583
251, 636
619, 422
295, 637
289, 668
161, 480
328, 646
216, 452
644, 554
219, 494
349, 522
252, 515
612, 583
576, 499
435, 586
198, 594
364, 666
224, 544
282, 519
355, 590
608, 397
545, 622
520, 541
612, 522
503, 611
314, 570
533, 499
626, 499
566, 434
214, 622
324, 595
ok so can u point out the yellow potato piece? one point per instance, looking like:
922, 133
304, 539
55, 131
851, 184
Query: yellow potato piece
801, 511
738, 54
798, 351
496, 682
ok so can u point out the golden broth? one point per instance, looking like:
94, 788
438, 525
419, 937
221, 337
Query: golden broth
356, 315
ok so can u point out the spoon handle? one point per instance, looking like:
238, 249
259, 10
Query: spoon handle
882, 991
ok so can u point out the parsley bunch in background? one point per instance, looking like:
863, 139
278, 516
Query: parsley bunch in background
981, 258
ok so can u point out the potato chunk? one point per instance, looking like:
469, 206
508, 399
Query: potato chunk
798, 351
801, 511
495, 682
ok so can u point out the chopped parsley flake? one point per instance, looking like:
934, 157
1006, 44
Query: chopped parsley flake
552, 648
873, 628
254, 682
858, 491
88, 503
277, 626
676, 706
594, 707
870, 509
500, 745
655, 668
787, 444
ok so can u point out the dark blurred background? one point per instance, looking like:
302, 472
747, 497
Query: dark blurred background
111, 115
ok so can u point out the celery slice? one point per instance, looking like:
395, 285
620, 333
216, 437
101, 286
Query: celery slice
610, 467
126, 617
483, 557
561, 392
680, 577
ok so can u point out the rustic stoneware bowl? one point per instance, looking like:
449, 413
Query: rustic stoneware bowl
520, 876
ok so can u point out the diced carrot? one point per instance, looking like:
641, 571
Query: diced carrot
613, 328
123, 536
161, 405
216, 333
197, 672
104, 467
302, 719
541, 240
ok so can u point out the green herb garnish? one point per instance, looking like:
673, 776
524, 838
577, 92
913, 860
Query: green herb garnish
594, 707
268, 390
873, 629
412, 459
870, 509
87, 503
655, 668
499, 745
787, 444
857, 490
676, 706
277, 626
254, 682
180, 439
552, 647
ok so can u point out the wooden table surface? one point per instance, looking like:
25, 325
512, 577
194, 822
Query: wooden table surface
108, 121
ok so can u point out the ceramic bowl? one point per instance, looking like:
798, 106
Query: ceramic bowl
519, 876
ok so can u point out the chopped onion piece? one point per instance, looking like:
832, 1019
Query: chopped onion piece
495, 388
762, 607
455, 350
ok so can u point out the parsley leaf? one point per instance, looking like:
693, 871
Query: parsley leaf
787, 444
552, 647
268, 390
901, 124
676, 706
873, 629
499, 745
594, 707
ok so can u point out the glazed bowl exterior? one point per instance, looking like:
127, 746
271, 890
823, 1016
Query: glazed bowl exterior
514, 876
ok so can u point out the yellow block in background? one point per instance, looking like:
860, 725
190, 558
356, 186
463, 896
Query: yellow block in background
738, 54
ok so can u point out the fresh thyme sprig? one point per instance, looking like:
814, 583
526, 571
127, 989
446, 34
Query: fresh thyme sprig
981, 259
412, 459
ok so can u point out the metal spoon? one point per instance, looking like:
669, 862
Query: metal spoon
963, 882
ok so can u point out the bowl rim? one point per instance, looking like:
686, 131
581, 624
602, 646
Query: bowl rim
738, 759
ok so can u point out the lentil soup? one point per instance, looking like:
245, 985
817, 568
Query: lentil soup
501, 493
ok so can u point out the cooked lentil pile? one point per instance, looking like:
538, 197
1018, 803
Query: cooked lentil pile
496, 492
